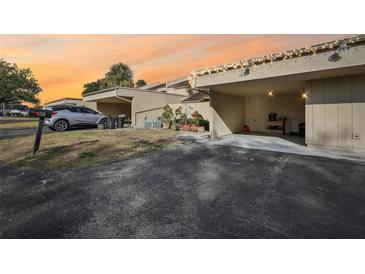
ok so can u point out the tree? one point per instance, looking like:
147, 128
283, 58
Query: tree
120, 75
17, 85
95, 86
140, 83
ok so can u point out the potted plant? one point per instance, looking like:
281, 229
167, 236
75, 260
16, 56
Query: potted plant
167, 115
181, 120
198, 118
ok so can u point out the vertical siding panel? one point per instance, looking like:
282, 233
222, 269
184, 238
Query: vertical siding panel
309, 124
344, 125
358, 116
318, 125
330, 124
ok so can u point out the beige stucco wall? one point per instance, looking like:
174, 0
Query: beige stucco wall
91, 105
227, 114
289, 105
150, 104
189, 108
335, 110
149, 115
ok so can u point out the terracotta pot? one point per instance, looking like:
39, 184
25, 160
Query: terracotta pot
186, 128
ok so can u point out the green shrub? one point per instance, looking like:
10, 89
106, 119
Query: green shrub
205, 124
197, 118
167, 113
189, 121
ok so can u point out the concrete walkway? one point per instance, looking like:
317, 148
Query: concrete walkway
276, 144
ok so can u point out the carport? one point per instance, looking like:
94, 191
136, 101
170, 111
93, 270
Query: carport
321, 85
110, 103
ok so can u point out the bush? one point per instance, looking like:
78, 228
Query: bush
189, 121
205, 124
197, 118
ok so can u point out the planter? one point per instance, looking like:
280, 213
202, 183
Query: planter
166, 125
200, 129
185, 128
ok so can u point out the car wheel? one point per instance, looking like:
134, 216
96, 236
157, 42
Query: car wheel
103, 122
60, 125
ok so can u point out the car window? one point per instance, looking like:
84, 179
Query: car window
73, 109
58, 108
81, 110
90, 111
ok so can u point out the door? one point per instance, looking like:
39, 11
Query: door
74, 116
255, 113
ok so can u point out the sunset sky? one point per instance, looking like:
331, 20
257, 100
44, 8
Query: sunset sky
63, 63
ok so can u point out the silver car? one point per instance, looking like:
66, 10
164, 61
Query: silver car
64, 117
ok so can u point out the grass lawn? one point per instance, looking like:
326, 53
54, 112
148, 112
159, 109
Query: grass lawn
83, 148
25, 124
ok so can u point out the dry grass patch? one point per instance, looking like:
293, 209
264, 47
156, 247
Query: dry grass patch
23, 118
16, 125
83, 148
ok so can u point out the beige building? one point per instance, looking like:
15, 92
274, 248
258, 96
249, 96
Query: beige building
322, 86
196, 102
137, 105
65, 101
146, 103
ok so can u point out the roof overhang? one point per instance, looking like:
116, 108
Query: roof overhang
120, 95
65, 100
109, 96
291, 83
306, 67
178, 83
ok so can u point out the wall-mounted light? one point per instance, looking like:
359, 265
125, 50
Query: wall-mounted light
270, 93
304, 95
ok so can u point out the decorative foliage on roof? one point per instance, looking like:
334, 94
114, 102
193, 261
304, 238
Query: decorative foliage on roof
338, 46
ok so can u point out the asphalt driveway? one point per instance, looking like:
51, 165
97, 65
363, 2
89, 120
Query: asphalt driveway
192, 191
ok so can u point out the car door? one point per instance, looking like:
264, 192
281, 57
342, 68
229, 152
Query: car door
73, 115
89, 116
